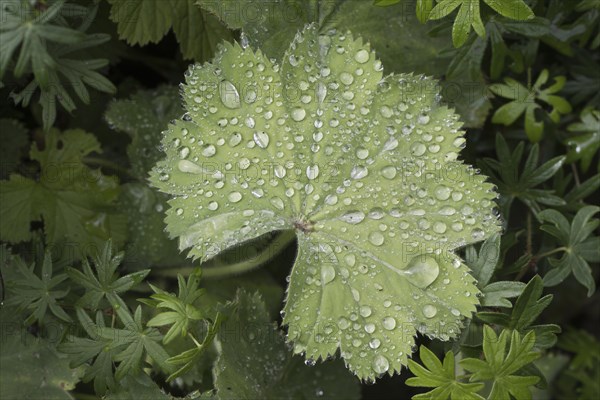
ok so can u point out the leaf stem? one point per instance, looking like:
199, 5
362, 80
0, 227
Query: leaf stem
224, 271
108, 164
548, 253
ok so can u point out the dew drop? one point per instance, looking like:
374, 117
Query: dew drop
380, 364
261, 139
327, 274
442, 192
359, 172
230, 97
312, 172
374, 343
234, 197
209, 151
353, 217
235, 139
298, 114
429, 311
346, 78
376, 238
365, 311
422, 271
190, 167
184, 152
362, 56
389, 172
389, 323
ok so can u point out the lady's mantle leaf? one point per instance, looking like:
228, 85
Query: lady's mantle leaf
364, 168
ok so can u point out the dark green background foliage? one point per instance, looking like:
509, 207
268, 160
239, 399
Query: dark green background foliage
97, 300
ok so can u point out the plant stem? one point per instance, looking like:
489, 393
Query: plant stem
548, 253
224, 271
108, 164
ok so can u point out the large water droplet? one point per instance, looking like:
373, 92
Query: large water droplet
359, 172
234, 197
365, 311
389, 323
362, 56
422, 271
376, 238
190, 167
209, 150
327, 274
380, 364
312, 172
230, 97
353, 217
298, 114
429, 311
389, 172
261, 139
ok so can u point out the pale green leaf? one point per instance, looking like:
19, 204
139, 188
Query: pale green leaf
250, 157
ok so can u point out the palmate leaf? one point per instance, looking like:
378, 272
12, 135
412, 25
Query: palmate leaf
502, 367
105, 281
441, 377
75, 202
376, 235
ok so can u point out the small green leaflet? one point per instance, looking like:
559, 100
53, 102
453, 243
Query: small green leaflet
525, 100
527, 309
441, 377
521, 182
75, 202
249, 158
148, 21
46, 44
469, 15
182, 309
255, 363
501, 367
30, 292
105, 281
579, 246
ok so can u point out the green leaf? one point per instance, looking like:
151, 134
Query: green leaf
105, 281
441, 377
496, 294
35, 294
46, 42
100, 349
502, 368
513, 9
517, 180
469, 15
75, 202
366, 241
483, 264
527, 100
30, 367
255, 363
578, 246
182, 309
142, 22
527, 309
